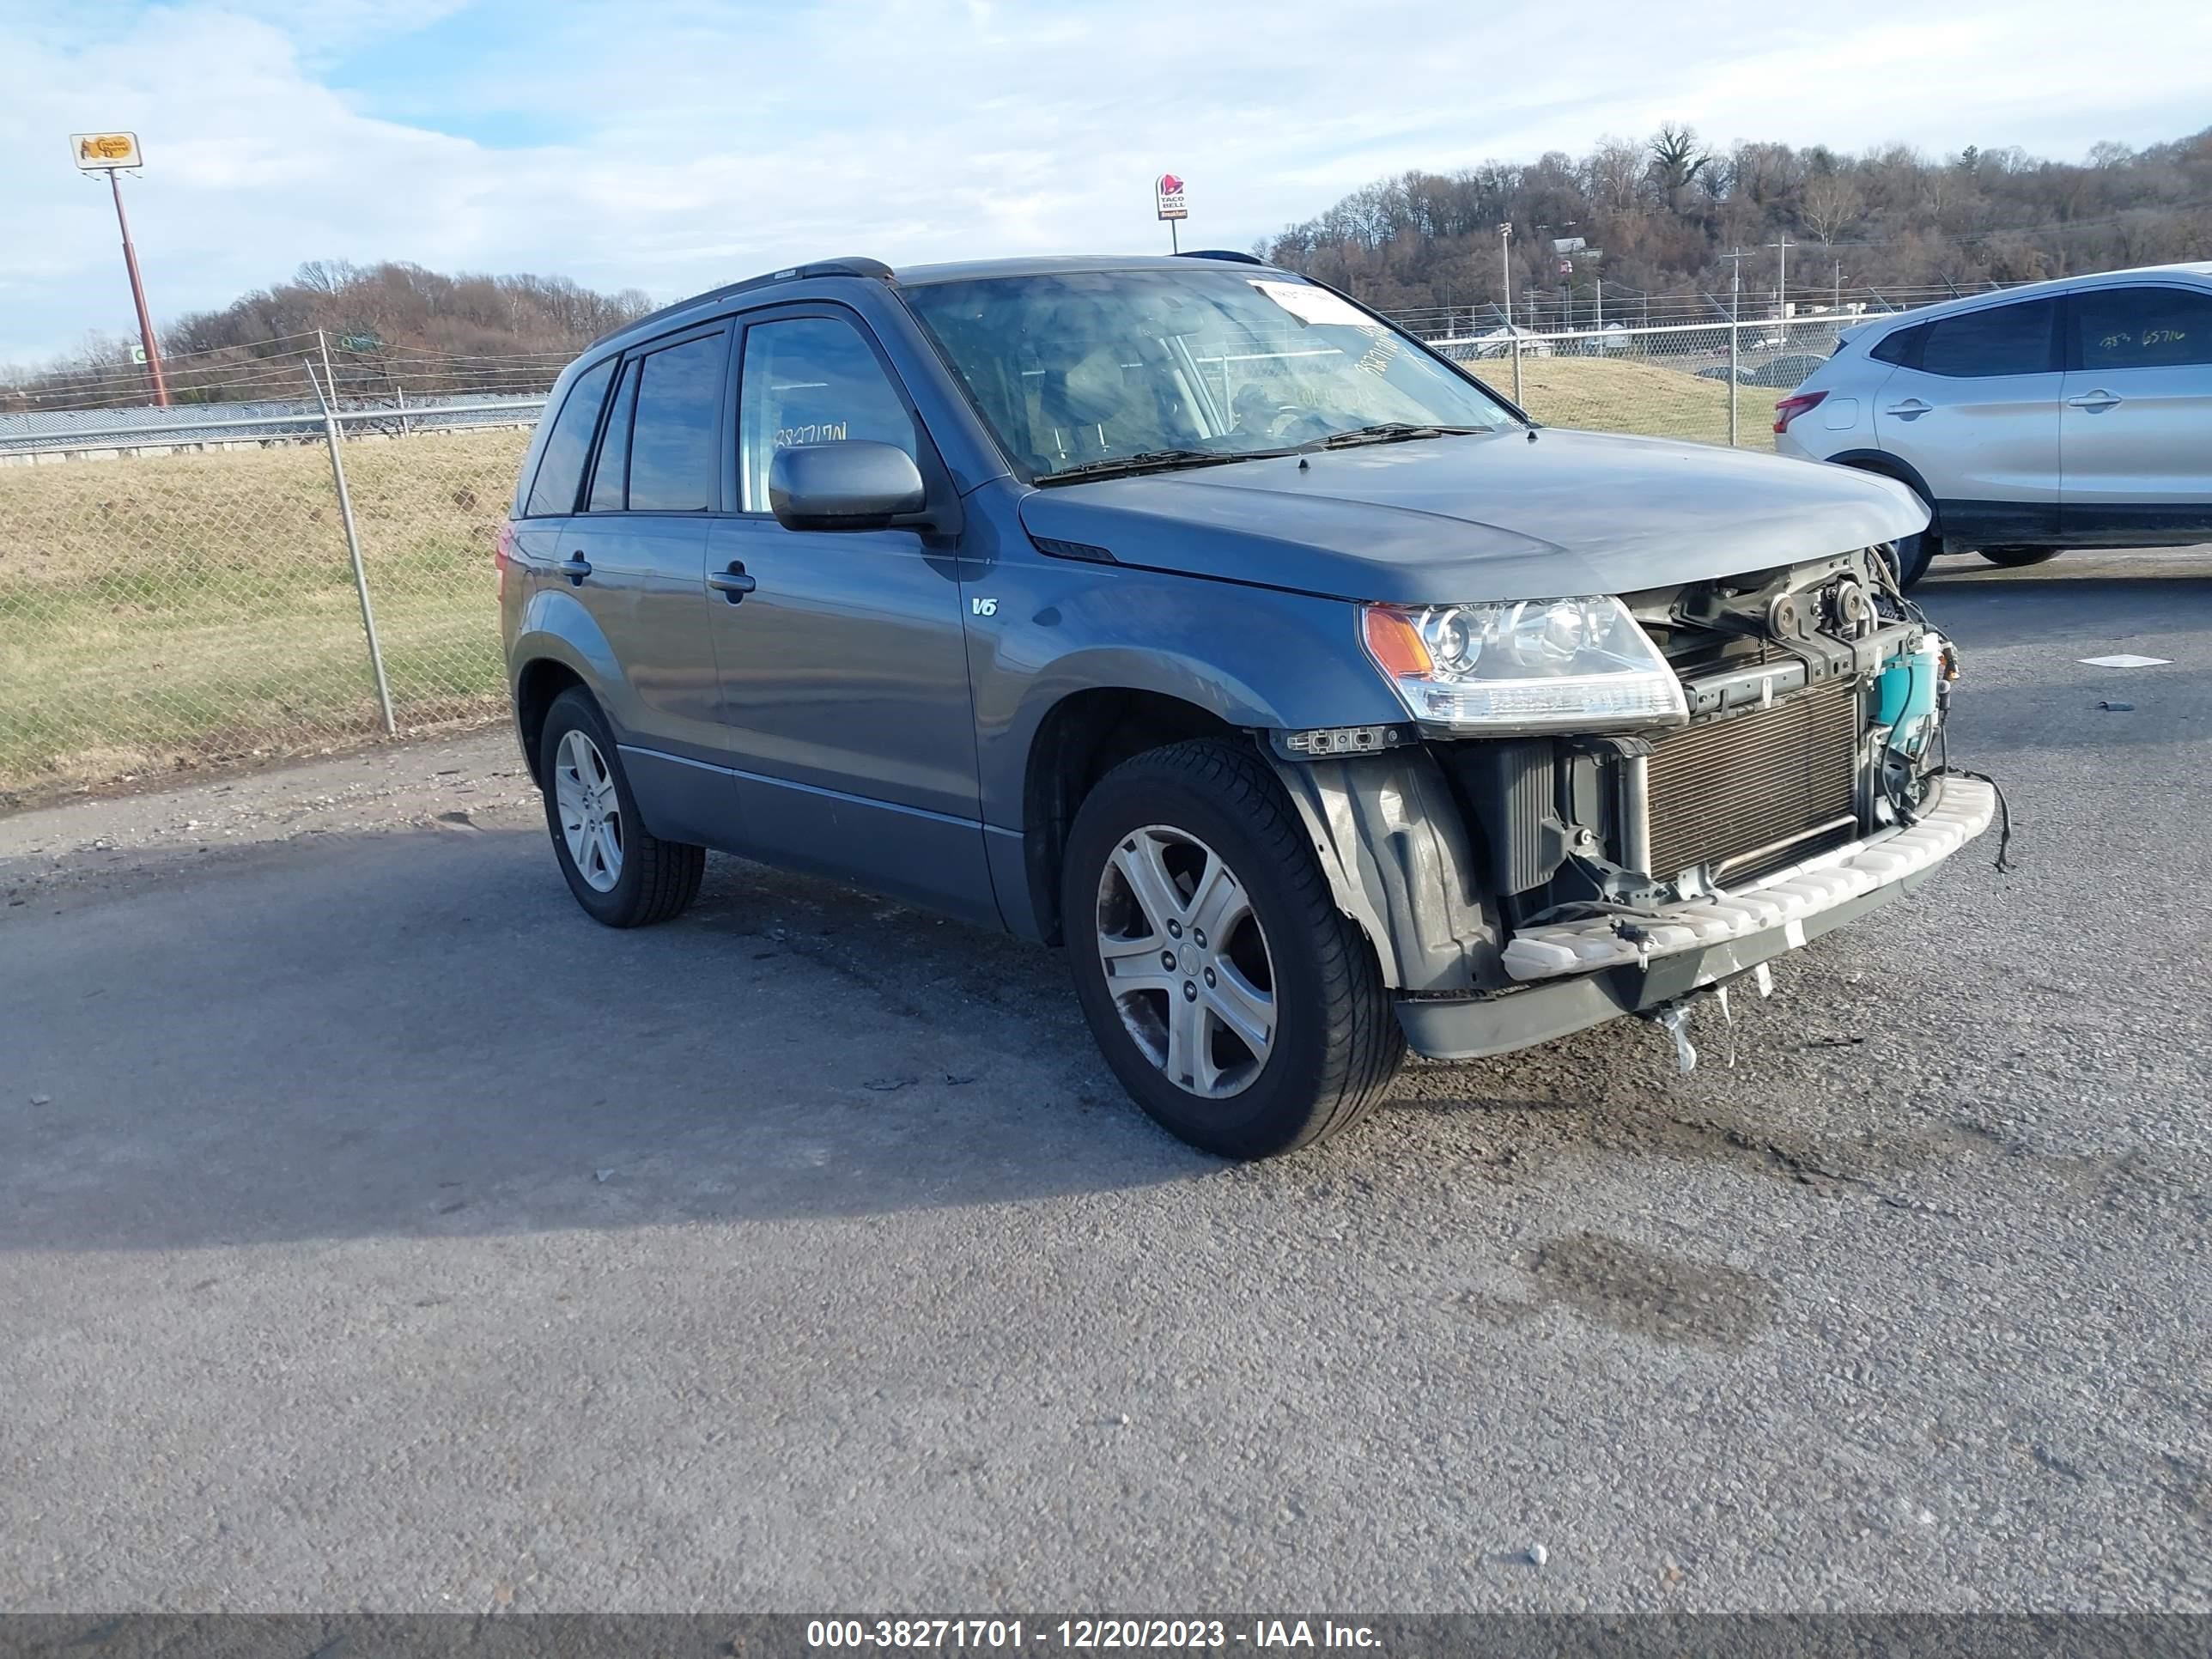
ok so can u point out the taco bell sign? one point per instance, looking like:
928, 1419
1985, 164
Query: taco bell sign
1167, 189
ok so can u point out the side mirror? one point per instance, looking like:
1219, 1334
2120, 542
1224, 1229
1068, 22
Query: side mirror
852, 484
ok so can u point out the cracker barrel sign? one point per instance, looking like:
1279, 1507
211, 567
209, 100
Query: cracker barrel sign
95, 150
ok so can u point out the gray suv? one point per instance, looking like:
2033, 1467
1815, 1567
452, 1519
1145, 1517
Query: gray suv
1184, 613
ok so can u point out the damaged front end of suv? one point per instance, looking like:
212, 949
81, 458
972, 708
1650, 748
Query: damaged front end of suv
1617, 805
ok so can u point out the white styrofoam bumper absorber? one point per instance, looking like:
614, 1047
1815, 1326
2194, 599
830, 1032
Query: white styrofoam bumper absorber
1962, 812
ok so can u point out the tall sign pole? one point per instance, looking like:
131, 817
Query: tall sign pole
111, 153
1505, 261
1168, 199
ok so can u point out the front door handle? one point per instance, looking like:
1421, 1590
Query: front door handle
2094, 401
732, 584
1908, 409
575, 567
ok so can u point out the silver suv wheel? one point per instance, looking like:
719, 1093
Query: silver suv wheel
591, 811
1186, 961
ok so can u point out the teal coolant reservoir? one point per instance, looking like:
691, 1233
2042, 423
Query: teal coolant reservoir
1905, 695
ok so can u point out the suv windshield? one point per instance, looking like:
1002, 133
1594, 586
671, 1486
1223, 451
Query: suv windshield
1089, 372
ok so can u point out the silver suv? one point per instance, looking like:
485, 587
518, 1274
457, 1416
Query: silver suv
2067, 413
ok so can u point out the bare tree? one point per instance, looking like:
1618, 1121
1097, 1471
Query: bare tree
1830, 204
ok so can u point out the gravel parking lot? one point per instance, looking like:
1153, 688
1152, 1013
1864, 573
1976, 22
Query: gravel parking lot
377, 1232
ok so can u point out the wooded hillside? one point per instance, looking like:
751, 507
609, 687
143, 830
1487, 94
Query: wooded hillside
1661, 215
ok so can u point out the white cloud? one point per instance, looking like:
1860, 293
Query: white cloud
672, 148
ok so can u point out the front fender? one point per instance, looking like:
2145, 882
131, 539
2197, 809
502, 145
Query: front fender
1254, 658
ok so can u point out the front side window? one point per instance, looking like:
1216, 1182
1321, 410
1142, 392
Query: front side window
811, 381
1207, 364
2142, 327
1996, 340
561, 468
671, 445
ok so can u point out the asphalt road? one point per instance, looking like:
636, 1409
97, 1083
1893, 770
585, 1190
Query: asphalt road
376, 1232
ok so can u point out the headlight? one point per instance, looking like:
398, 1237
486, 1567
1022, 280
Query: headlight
1579, 664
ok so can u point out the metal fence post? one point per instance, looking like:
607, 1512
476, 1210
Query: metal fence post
1735, 339
1514, 340
331, 436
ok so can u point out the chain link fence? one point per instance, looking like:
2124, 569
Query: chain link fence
1717, 383
181, 593
163, 610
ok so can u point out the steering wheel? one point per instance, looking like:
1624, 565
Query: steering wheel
1292, 423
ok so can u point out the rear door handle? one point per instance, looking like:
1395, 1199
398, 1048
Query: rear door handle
1908, 409
2094, 400
575, 567
732, 584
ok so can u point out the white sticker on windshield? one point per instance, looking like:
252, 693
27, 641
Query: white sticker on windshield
1312, 305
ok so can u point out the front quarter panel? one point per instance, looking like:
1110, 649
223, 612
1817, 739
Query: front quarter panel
1040, 629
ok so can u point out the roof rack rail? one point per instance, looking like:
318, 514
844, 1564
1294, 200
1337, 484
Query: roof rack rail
1220, 254
853, 265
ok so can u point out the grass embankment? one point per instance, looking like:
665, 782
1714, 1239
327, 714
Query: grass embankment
1613, 394
159, 612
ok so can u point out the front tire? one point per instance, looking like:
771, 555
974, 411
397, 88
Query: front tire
1911, 556
622, 874
2019, 558
1240, 1008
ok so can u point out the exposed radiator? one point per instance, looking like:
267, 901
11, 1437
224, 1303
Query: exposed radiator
1758, 791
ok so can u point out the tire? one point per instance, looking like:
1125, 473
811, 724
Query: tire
1205, 828
2018, 558
628, 877
1910, 557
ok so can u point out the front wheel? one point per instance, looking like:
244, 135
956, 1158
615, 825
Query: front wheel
2019, 558
1910, 557
1237, 1004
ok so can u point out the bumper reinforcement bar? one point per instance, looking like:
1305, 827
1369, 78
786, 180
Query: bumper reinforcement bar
1783, 901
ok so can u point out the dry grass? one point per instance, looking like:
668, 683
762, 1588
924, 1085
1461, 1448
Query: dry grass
1613, 394
163, 612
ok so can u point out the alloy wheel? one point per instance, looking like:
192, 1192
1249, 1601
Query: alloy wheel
1186, 961
591, 811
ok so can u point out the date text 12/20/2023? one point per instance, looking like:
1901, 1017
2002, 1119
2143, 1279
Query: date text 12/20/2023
1007, 1635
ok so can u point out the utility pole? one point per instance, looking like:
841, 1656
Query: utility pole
1505, 261
1735, 257
138, 297
1782, 278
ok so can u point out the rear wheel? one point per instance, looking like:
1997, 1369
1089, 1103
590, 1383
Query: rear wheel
1239, 1007
621, 873
2015, 558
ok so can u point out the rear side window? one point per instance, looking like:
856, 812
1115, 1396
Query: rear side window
1998, 340
672, 462
2142, 327
610, 477
561, 468
1902, 346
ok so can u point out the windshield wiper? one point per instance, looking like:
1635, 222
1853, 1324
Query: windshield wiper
1150, 460
1390, 431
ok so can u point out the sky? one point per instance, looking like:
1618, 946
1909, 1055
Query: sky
674, 146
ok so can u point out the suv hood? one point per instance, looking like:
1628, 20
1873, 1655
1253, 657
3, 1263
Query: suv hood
1488, 516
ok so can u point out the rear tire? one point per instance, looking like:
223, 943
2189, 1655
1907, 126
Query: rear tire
1274, 1034
622, 874
2018, 558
